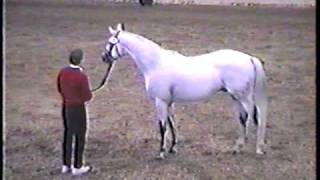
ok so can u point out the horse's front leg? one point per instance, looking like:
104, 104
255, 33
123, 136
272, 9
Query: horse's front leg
162, 111
173, 132
173, 129
163, 129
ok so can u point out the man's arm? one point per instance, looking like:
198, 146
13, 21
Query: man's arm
59, 82
85, 88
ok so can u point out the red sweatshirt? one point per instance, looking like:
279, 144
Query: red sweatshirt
73, 85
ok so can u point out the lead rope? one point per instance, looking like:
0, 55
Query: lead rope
104, 80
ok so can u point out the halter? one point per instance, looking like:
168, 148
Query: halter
113, 42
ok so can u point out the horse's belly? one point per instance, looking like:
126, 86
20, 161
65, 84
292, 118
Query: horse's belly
194, 91
183, 86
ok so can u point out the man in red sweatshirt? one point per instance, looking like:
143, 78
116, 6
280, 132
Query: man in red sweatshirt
73, 85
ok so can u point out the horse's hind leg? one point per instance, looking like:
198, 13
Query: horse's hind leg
243, 116
260, 116
162, 111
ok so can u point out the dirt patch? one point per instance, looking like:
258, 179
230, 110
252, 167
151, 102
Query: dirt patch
123, 139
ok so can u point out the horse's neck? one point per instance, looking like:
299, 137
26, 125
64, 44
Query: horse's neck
144, 52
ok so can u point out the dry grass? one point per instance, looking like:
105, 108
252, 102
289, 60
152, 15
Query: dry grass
123, 140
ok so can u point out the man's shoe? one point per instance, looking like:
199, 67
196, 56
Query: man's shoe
82, 170
65, 169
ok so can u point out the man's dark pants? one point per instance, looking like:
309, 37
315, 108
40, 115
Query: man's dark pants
75, 125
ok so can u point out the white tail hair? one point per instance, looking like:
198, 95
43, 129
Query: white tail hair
260, 102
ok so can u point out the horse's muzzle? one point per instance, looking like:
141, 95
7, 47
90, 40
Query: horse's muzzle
106, 58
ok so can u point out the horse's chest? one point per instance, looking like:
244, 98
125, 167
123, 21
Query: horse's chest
158, 86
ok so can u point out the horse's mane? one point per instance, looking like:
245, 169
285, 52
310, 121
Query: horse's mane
150, 39
145, 39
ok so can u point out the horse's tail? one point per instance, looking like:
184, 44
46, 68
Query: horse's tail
260, 98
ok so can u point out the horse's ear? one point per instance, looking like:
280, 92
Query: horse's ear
112, 31
120, 27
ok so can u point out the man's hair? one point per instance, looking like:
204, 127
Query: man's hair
76, 56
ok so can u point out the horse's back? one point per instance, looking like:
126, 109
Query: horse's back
223, 56
234, 68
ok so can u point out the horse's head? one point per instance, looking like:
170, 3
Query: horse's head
113, 48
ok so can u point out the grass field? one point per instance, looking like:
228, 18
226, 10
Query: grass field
123, 138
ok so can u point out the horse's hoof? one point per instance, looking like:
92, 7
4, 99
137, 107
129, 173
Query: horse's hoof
161, 156
236, 149
235, 152
260, 152
173, 151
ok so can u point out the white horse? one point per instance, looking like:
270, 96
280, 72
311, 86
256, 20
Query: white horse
171, 77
